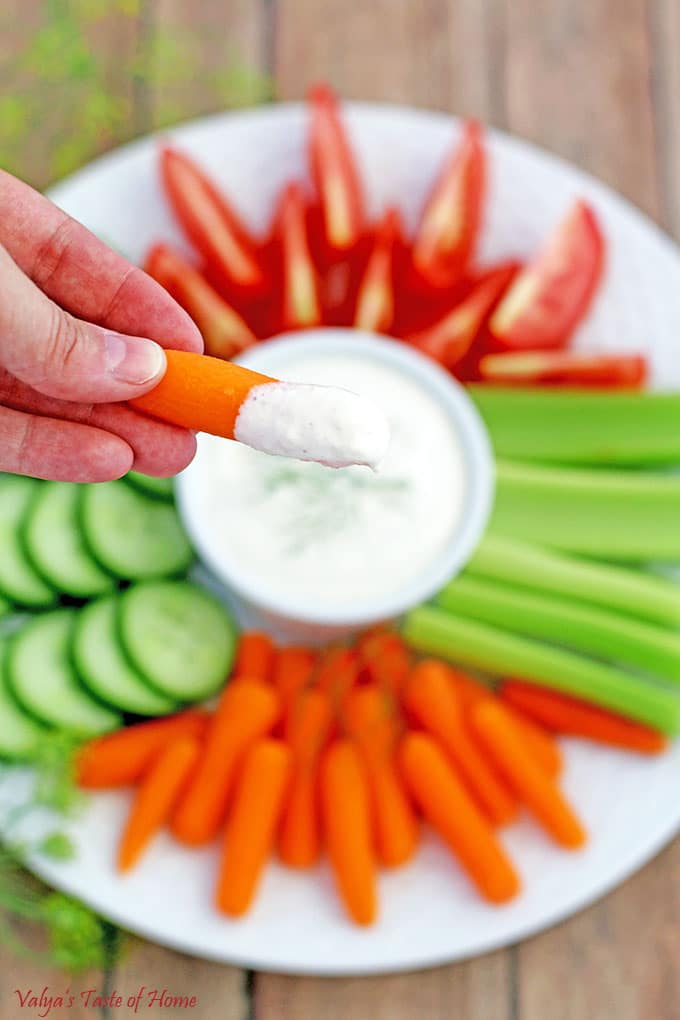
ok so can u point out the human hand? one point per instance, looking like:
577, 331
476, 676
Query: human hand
77, 331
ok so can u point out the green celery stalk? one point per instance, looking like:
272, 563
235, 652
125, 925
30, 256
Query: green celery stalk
635, 592
611, 515
587, 629
436, 632
582, 427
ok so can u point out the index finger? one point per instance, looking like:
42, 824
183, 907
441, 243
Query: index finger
83, 275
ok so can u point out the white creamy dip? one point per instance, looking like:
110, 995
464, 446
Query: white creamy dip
304, 534
326, 424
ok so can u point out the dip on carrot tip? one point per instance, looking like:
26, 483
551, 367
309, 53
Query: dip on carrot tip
332, 426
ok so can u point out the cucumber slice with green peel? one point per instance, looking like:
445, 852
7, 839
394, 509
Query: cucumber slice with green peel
54, 542
132, 535
19, 581
103, 666
159, 488
5, 607
44, 682
178, 636
20, 733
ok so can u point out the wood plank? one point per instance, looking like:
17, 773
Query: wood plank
220, 991
29, 973
447, 55
664, 24
75, 66
618, 959
436, 53
205, 56
577, 82
478, 989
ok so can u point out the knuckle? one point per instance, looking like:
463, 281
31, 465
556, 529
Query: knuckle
61, 341
53, 252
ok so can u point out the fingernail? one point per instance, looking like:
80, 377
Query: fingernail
131, 359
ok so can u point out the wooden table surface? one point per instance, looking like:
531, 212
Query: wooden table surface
597, 81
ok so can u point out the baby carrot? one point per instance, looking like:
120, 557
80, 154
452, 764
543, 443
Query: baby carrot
431, 699
540, 744
252, 824
337, 672
538, 740
292, 671
254, 656
155, 797
504, 745
563, 714
119, 759
307, 729
246, 712
385, 658
468, 690
346, 819
370, 719
447, 806
199, 392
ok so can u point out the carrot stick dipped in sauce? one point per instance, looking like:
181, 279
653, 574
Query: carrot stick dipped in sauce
321, 423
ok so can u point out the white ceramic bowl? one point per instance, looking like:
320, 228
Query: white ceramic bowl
298, 619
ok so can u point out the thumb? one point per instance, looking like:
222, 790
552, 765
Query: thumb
64, 357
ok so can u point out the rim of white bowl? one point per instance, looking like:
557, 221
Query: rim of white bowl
272, 355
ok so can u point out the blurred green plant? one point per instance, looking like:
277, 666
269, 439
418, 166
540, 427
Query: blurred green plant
74, 937
97, 72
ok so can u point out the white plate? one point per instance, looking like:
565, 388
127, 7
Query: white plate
429, 913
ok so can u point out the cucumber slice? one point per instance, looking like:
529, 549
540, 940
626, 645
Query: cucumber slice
103, 666
4, 607
179, 636
44, 682
131, 535
19, 732
19, 582
159, 488
55, 545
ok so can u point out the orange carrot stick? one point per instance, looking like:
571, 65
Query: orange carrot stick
251, 829
370, 718
120, 759
254, 656
246, 712
292, 671
199, 392
538, 740
307, 730
346, 819
337, 672
385, 658
156, 796
431, 699
219, 397
563, 714
450, 810
504, 745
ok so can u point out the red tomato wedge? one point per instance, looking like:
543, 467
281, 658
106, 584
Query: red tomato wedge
566, 368
375, 304
301, 303
449, 227
211, 224
334, 172
224, 332
552, 294
450, 339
